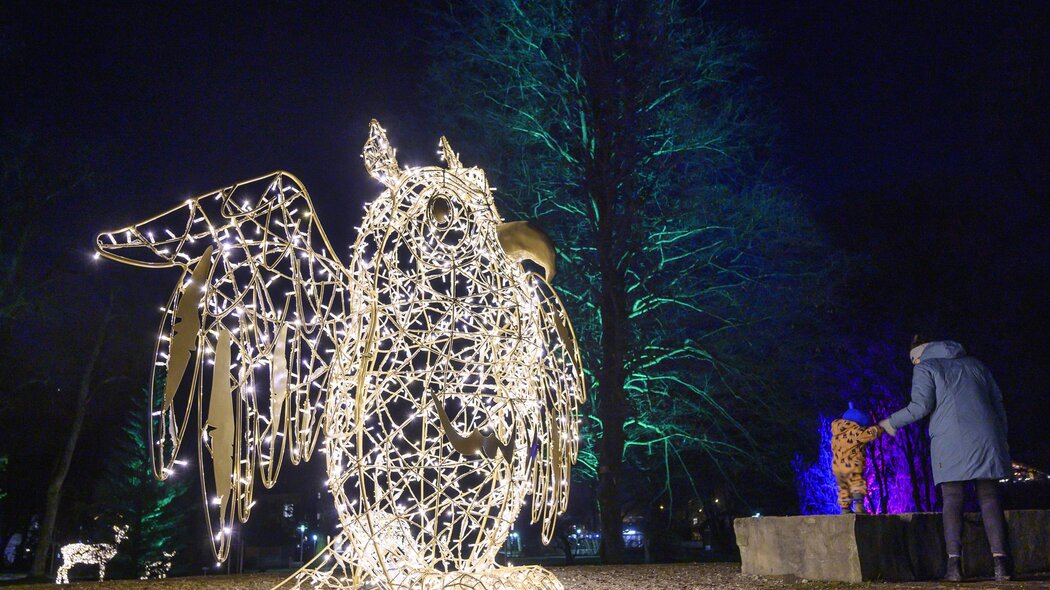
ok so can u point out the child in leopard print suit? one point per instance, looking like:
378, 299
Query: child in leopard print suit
850, 436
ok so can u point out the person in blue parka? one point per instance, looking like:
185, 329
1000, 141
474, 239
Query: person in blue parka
967, 439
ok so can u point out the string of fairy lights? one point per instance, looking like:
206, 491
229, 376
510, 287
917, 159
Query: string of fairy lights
442, 374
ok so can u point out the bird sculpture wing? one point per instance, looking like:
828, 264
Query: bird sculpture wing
247, 337
561, 391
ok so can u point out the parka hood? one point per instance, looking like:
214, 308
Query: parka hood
943, 349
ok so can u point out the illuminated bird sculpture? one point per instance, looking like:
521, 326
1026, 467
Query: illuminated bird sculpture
437, 372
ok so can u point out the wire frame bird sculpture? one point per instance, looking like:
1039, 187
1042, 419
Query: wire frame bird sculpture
437, 372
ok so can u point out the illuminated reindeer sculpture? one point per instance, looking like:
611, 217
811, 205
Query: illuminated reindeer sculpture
158, 570
439, 374
89, 554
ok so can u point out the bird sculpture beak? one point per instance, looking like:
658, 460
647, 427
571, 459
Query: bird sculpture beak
524, 240
145, 244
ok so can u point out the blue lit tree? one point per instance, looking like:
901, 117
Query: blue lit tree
629, 130
815, 483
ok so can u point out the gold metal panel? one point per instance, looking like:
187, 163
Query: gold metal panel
522, 240
187, 327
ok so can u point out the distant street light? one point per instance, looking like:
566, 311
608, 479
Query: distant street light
302, 541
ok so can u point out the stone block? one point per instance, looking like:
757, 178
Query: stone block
896, 547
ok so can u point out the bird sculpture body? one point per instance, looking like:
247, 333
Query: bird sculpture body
437, 372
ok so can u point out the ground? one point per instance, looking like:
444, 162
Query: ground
689, 576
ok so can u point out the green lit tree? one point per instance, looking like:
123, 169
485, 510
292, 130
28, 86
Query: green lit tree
156, 511
627, 129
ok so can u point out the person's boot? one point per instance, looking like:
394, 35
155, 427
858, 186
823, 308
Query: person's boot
1002, 569
858, 504
954, 572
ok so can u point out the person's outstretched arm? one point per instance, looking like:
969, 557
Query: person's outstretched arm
923, 399
869, 434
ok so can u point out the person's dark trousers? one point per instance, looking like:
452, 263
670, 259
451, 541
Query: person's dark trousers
991, 513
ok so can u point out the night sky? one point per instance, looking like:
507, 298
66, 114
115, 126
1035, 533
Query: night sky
917, 136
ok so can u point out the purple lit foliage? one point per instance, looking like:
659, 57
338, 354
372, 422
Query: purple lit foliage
898, 469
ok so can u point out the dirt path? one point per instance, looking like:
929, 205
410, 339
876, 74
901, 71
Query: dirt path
685, 576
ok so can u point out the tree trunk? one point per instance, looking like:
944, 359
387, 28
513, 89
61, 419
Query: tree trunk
58, 478
913, 474
612, 408
609, 470
563, 537
603, 178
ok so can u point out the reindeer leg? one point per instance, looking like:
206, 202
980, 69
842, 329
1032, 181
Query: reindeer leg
101, 571
63, 574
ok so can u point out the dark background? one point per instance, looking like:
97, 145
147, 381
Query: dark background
917, 134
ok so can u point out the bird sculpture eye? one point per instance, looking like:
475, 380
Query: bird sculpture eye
448, 222
440, 211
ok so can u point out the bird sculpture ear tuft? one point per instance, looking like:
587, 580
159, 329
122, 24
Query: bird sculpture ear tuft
380, 157
450, 157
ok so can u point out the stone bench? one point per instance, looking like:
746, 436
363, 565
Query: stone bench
893, 548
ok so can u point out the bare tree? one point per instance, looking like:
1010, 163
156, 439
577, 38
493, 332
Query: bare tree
58, 477
32, 175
